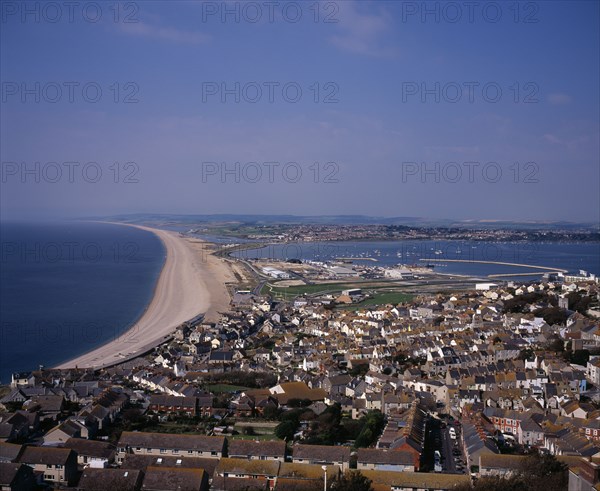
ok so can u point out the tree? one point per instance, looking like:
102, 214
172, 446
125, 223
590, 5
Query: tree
249, 430
580, 357
374, 423
365, 438
352, 481
271, 412
358, 370
294, 402
526, 354
541, 472
133, 419
557, 345
552, 315
536, 473
286, 429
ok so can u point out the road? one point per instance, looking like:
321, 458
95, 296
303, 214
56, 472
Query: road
447, 446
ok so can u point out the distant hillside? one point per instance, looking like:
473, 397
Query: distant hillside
348, 220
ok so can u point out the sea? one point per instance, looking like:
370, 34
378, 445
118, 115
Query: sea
476, 258
69, 287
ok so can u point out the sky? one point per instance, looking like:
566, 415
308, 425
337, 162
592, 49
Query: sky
461, 110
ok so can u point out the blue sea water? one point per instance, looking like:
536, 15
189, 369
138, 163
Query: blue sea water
66, 288
568, 256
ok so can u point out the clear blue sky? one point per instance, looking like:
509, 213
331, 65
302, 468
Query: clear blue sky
363, 132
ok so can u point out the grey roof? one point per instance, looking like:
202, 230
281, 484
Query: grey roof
176, 479
321, 453
113, 479
165, 440
379, 456
9, 451
243, 448
91, 448
133, 461
45, 455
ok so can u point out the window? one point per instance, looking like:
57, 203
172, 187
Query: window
163, 450
213, 453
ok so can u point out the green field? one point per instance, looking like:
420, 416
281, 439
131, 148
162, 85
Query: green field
321, 288
262, 430
383, 296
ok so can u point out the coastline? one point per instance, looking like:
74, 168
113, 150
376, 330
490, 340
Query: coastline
192, 282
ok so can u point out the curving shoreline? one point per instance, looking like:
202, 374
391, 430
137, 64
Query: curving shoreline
191, 282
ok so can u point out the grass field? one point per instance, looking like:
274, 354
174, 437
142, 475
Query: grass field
385, 294
333, 287
262, 430
382, 298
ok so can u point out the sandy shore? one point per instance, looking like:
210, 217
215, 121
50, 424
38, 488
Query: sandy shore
192, 282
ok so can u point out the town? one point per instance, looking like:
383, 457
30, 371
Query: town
299, 231
450, 386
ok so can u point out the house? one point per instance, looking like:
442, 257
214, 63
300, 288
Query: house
221, 356
385, 460
22, 379
13, 426
142, 462
9, 452
169, 444
175, 479
322, 455
162, 403
416, 481
233, 473
110, 479
530, 432
304, 476
585, 476
337, 384
500, 465
16, 477
593, 371
47, 406
257, 450
63, 432
57, 465
288, 391
91, 453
